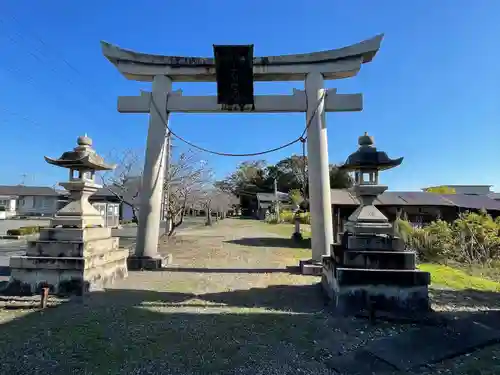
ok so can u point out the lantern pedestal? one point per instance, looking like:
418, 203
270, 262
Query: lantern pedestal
372, 270
69, 261
78, 213
358, 289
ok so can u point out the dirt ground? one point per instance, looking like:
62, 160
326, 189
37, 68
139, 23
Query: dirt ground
229, 304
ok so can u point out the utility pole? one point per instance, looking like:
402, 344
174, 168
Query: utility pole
23, 180
304, 174
276, 199
166, 190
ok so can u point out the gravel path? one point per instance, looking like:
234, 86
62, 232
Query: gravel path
228, 305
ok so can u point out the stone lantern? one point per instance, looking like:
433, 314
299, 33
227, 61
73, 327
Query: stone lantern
76, 253
366, 163
82, 163
372, 270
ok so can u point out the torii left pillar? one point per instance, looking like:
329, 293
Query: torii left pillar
318, 169
151, 193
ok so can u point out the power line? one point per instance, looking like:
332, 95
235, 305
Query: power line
301, 138
288, 144
42, 42
45, 58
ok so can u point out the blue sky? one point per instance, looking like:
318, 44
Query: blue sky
430, 95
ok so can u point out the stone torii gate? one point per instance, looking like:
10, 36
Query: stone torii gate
315, 100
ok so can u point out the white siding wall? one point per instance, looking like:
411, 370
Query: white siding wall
9, 204
110, 212
38, 205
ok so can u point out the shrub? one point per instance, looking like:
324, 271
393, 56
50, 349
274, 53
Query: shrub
477, 239
23, 231
289, 217
473, 238
296, 196
403, 229
272, 219
305, 218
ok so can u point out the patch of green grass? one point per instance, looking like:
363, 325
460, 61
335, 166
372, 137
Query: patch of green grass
458, 279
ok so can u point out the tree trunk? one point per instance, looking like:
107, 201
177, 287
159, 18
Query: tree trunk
169, 224
209, 217
176, 225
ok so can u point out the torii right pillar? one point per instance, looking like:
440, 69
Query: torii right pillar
318, 169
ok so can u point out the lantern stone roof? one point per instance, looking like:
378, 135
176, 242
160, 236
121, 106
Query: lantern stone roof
82, 157
368, 157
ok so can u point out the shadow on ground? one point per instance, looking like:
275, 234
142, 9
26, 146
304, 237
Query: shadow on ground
288, 269
142, 331
147, 332
271, 242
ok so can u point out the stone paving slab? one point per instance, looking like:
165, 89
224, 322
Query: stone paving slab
429, 345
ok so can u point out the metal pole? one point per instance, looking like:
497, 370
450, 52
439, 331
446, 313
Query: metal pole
276, 200
166, 192
304, 174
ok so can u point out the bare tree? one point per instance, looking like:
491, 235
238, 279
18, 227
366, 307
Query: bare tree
184, 186
188, 184
125, 180
214, 199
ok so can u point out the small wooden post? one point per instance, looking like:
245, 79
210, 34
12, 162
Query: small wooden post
44, 296
297, 224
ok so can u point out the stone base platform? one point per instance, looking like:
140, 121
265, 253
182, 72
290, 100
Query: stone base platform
355, 299
375, 259
310, 267
68, 261
65, 275
137, 263
354, 289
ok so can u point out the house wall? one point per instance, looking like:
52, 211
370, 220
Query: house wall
37, 205
9, 204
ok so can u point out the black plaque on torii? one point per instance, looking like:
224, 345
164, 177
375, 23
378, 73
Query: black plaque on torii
234, 76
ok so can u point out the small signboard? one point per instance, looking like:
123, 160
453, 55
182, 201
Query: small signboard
234, 75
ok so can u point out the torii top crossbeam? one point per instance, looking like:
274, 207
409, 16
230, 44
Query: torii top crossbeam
332, 64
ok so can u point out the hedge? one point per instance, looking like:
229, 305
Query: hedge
473, 238
287, 216
23, 231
